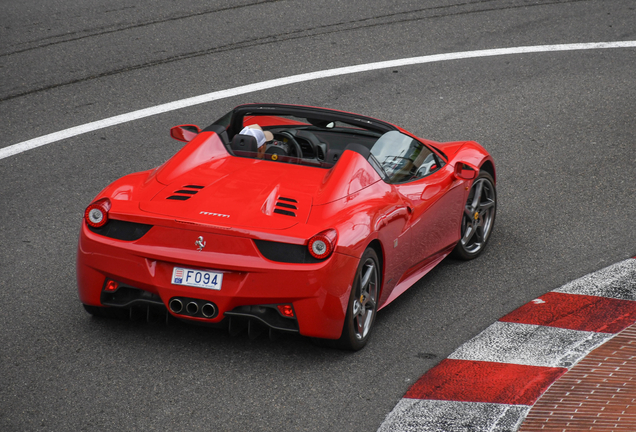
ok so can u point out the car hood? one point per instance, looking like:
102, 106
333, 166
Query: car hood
239, 192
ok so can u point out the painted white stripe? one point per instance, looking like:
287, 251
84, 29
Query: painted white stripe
616, 281
435, 415
209, 97
529, 344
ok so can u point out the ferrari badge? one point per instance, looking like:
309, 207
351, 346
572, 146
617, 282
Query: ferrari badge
200, 243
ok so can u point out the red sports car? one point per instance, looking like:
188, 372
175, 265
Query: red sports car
287, 218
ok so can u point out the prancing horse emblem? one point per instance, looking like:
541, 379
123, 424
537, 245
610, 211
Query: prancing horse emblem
200, 243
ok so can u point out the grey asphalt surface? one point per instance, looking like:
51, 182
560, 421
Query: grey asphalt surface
561, 127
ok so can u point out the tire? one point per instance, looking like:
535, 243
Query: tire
363, 303
106, 312
478, 219
93, 310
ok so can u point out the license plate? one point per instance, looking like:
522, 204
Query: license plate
197, 278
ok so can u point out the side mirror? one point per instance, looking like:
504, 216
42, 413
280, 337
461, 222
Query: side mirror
185, 133
464, 172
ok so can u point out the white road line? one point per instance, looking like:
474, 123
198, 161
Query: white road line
209, 97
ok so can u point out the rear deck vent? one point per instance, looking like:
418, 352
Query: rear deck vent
186, 192
280, 206
284, 212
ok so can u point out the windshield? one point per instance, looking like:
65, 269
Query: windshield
403, 158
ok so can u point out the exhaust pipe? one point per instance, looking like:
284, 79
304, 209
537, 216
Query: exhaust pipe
176, 305
208, 310
192, 308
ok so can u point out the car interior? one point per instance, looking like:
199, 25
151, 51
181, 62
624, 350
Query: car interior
317, 138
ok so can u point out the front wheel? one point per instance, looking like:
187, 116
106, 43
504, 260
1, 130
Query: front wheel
363, 303
478, 219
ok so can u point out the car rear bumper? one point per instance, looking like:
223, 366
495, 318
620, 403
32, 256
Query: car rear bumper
318, 292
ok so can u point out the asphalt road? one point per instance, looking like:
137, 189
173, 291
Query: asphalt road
561, 127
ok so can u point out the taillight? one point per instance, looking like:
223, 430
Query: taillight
96, 214
322, 244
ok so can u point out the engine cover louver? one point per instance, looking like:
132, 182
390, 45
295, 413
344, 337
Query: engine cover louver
185, 193
284, 206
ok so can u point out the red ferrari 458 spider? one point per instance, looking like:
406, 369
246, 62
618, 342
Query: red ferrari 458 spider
287, 218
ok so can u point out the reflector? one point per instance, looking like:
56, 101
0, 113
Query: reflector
286, 310
111, 286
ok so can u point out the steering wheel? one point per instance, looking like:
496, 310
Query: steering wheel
294, 143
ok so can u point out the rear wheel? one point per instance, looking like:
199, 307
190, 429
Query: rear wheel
478, 219
363, 303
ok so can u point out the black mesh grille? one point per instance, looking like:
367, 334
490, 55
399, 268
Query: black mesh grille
122, 230
285, 252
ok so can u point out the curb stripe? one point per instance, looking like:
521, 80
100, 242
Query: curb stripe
616, 281
531, 345
481, 385
477, 381
576, 312
415, 415
294, 79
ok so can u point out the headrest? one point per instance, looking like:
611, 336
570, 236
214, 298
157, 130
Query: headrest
244, 143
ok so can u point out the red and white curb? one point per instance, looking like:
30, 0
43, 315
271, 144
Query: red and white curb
491, 382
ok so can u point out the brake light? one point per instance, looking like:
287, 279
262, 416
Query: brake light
322, 244
96, 214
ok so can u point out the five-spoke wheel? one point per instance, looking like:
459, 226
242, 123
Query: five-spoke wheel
479, 217
363, 302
